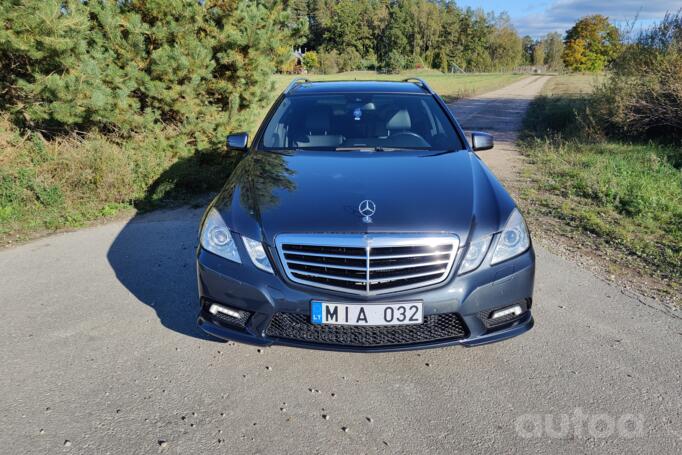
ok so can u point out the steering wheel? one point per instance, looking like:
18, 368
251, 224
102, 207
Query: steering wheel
408, 133
415, 140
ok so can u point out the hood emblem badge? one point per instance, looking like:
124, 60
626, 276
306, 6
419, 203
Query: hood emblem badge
367, 209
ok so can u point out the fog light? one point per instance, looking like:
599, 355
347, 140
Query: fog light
515, 310
215, 309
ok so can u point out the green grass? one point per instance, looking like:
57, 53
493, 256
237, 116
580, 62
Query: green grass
69, 182
627, 195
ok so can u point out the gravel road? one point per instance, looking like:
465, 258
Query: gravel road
100, 354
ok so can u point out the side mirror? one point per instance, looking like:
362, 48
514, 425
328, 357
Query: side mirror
481, 141
238, 141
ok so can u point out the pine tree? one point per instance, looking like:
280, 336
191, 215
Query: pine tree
203, 68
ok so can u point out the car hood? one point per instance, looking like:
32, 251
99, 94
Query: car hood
453, 192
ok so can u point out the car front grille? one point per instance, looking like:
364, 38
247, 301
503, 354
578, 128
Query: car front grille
436, 327
367, 264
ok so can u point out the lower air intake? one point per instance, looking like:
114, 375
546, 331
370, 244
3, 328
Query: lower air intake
436, 327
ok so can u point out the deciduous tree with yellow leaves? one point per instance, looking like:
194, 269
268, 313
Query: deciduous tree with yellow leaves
591, 44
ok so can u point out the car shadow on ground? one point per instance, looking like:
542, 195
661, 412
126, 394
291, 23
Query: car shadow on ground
153, 257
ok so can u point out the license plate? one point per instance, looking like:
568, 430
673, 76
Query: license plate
366, 314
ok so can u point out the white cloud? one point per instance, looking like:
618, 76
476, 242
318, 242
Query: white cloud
560, 15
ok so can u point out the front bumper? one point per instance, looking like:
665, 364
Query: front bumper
471, 296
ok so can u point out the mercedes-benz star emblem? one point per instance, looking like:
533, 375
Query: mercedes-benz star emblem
367, 209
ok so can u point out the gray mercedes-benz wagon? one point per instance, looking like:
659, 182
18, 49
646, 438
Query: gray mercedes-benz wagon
360, 218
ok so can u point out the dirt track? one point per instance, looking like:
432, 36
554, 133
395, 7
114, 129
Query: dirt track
500, 113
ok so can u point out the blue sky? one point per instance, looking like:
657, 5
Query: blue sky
538, 17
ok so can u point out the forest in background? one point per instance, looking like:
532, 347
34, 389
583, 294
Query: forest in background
393, 35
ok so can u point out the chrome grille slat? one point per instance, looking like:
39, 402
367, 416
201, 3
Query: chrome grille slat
405, 277
340, 256
331, 277
390, 263
406, 266
401, 256
327, 265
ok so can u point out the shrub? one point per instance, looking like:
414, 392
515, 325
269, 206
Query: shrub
329, 62
70, 179
369, 62
643, 96
393, 63
310, 61
349, 60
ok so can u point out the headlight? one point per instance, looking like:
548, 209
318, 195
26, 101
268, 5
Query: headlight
257, 254
216, 237
513, 240
475, 254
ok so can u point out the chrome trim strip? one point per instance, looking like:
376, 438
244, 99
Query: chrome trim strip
368, 253
325, 264
367, 242
399, 256
404, 277
331, 277
406, 266
330, 255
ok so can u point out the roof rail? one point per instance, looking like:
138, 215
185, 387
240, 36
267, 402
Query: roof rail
420, 82
295, 82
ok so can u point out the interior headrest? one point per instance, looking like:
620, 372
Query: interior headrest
400, 121
318, 121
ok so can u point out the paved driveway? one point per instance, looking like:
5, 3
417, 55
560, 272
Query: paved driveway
100, 354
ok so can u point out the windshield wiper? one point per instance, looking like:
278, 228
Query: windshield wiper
279, 151
443, 152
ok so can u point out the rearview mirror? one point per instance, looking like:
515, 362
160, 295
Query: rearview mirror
481, 141
238, 141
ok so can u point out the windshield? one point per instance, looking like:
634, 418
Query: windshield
357, 121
